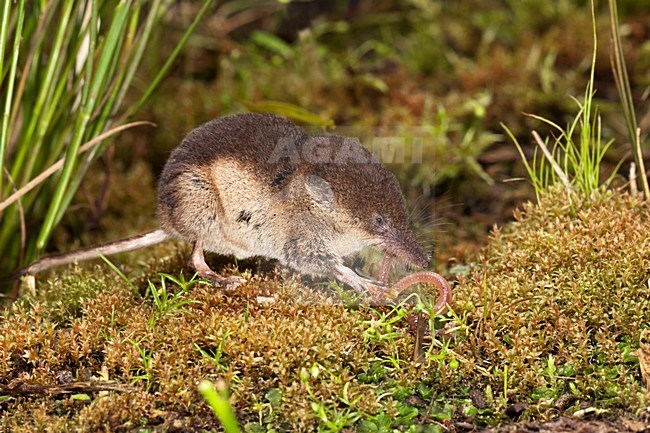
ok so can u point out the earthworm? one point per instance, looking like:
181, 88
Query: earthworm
442, 305
437, 280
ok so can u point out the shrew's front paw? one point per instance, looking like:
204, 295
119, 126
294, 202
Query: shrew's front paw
349, 277
377, 292
381, 294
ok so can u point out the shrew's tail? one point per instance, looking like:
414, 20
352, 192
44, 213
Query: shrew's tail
94, 252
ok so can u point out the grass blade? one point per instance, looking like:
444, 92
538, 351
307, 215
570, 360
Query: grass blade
622, 81
4, 133
76, 62
57, 166
171, 58
220, 405
558, 171
126, 279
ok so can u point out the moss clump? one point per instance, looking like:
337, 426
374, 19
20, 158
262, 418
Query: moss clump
560, 300
277, 359
550, 316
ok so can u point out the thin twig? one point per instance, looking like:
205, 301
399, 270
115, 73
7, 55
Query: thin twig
554, 164
57, 165
99, 205
643, 353
421, 327
633, 186
18, 388
21, 214
644, 175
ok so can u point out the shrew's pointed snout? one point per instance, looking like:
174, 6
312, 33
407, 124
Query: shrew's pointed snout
420, 257
404, 244
415, 252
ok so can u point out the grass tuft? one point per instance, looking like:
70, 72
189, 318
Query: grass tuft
69, 67
574, 160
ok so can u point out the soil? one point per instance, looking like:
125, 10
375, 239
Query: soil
570, 425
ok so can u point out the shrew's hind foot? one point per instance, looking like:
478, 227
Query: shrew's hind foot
197, 261
226, 283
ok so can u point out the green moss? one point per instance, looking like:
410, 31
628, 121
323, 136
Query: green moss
561, 298
263, 349
555, 307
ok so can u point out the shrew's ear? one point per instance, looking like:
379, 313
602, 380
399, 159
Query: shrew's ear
319, 189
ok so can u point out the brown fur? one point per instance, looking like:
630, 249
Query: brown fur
257, 185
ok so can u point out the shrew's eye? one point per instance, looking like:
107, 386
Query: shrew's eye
379, 220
